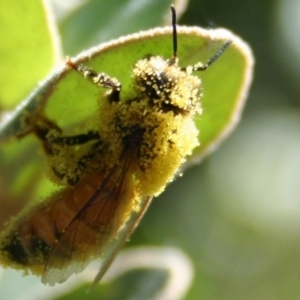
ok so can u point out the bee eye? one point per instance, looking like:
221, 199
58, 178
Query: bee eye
157, 86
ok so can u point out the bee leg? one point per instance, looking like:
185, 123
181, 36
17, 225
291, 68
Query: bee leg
100, 79
42, 128
76, 140
39, 125
54, 142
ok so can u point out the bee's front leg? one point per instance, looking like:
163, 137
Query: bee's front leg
100, 79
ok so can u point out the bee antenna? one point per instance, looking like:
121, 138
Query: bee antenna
218, 54
203, 67
174, 31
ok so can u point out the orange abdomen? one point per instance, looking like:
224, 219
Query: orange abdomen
62, 224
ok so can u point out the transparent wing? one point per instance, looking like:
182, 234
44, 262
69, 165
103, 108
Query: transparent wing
96, 225
116, 245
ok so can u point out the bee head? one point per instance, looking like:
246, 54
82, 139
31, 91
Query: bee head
166, 86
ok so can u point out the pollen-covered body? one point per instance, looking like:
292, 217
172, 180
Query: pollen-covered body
163, 114
137, 147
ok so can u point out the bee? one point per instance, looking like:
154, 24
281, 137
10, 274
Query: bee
108, 175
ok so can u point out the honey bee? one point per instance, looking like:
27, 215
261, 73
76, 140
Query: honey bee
108, 175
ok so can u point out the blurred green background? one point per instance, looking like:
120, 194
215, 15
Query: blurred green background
237, 215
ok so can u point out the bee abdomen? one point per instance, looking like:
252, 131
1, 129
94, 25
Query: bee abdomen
15, 251
25, 247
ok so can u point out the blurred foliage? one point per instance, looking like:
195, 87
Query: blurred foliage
237, 214
98, 22
20, 66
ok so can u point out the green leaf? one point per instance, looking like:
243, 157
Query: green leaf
225, 83
72, 101
27, 50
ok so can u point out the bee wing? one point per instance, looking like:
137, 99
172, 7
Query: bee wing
94, 227
116, 245
78, 244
